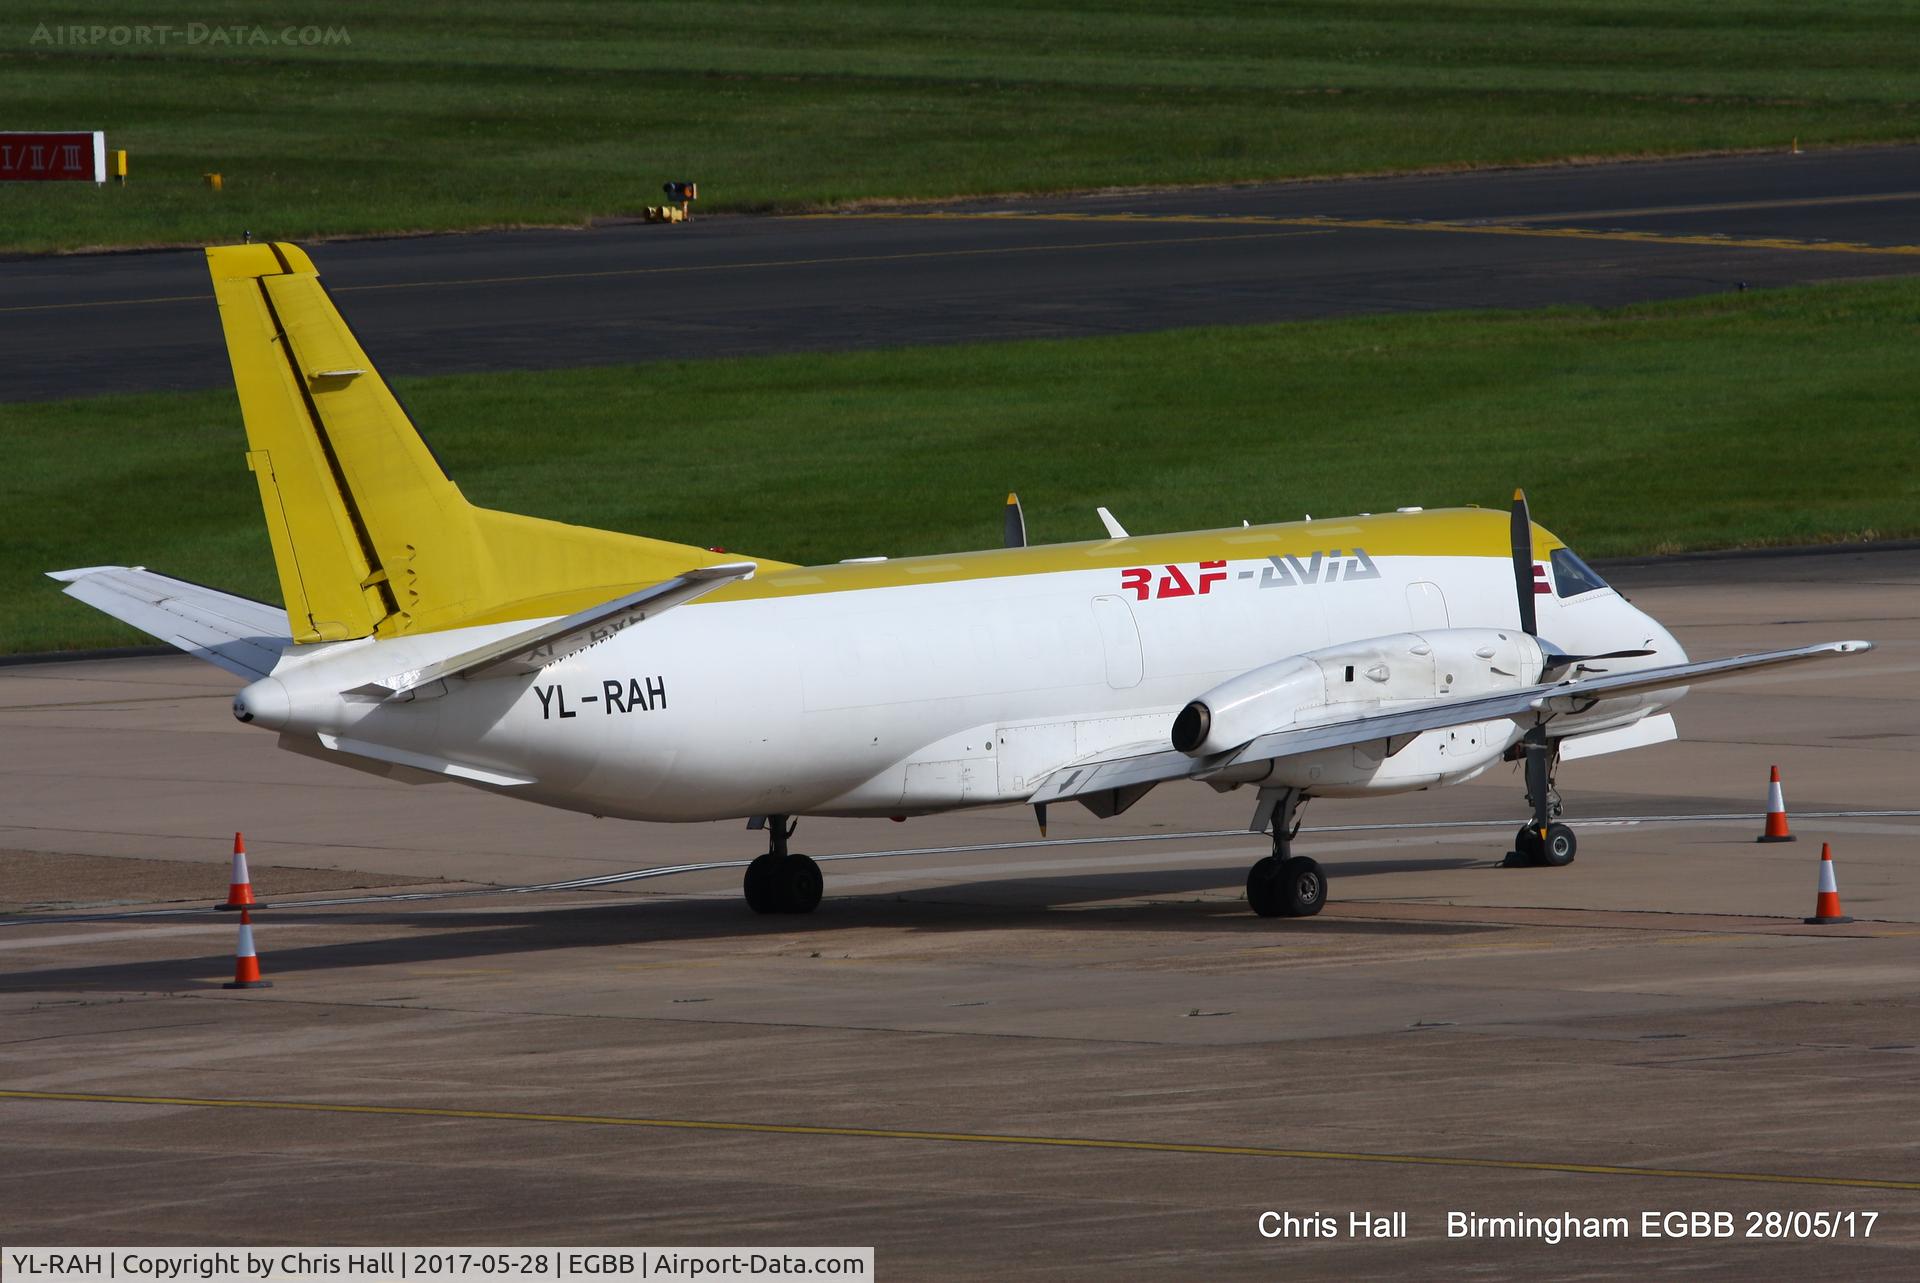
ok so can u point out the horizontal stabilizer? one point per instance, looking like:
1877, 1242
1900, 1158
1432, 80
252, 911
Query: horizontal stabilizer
535, 648
1126, 768
242, 636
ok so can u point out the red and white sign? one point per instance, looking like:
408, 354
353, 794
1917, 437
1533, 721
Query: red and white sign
48, 157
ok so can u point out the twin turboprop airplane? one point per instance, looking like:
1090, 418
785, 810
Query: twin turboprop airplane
426, 639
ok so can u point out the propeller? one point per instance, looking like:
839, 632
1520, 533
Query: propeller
1523, 580
1016, 523
1556, 662
1525, 587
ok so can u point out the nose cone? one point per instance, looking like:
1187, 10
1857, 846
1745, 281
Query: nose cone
1665, 647
264, 703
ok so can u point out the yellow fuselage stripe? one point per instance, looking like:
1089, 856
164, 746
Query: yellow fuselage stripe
1443, 532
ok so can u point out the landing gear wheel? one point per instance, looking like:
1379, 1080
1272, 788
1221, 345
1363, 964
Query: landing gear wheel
762, 895
1290, 888
1263, 887
1526, 847
1303, 887
1560, 847
783, 884
1556, 852
799, 884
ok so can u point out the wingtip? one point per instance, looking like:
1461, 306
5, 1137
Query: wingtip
722, 570
80, 572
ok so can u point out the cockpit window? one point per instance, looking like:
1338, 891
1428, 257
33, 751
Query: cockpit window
1572, 576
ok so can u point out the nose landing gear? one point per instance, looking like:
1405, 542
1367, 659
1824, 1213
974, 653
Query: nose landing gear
1545, 841
780, 881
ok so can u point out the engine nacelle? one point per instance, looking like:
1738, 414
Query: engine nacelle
1355, 679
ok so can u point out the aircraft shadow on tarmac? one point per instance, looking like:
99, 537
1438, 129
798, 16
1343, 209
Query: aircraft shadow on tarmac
424, 936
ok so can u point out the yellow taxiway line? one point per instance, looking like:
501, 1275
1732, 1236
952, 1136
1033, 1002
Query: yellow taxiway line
1278, 233
1326, 223
966, 1138
1281, 226
1717, 207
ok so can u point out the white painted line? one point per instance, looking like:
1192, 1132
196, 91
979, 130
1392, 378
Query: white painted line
670, 870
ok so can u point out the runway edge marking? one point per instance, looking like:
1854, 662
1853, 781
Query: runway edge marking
970, 1138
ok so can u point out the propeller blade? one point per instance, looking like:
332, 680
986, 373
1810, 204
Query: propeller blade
1016, 523
1523, 563
1558, 661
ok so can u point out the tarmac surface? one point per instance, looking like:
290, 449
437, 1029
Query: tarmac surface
1076, 1059
1042, 268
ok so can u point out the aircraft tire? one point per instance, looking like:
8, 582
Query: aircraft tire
1560, 847
760, 884
1302, 887
800, 884
1263, 887
1527, 848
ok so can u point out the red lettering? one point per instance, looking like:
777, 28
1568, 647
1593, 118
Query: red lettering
1139, 579
1211, 573
1174, 584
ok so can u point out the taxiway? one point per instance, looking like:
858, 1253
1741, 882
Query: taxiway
1120, 262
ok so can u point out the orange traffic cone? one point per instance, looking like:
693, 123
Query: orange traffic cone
246, 963
1826, 906
1776, 830
240, 886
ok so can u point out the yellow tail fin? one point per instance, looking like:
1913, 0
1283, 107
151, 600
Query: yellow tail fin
370, 536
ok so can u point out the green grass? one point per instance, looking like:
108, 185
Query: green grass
1765, 418
441, 114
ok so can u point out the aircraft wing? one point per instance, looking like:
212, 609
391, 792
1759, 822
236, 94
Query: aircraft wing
242, 636
549, 643
1124, 768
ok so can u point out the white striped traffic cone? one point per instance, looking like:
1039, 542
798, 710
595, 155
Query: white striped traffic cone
1776, 830
240, 884
1826, 905
246, 963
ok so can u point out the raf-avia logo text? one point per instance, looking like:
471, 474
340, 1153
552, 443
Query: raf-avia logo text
1318, 568
1325, 566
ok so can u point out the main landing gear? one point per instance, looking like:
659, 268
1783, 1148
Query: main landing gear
779, 881
1284, 885
1543, 841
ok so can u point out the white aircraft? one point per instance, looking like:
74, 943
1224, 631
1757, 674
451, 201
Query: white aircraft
425, 639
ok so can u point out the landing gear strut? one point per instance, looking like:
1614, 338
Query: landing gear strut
1544, 840
1284, 884
779, 881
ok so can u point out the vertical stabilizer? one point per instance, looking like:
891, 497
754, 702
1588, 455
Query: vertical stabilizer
370, 536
